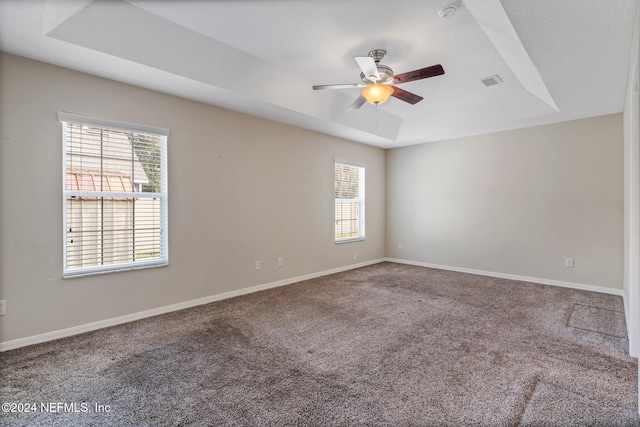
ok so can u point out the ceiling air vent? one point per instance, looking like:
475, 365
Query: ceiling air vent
491, 80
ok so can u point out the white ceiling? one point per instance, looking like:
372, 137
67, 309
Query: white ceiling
559, 60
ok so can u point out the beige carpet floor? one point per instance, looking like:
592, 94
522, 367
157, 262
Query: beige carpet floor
388, 344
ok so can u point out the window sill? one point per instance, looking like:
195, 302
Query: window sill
94, 272
355, 239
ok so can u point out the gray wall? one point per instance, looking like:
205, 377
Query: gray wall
516, 202
631, 117
240, 189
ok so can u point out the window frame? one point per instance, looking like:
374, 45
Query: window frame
65, 118
361, 200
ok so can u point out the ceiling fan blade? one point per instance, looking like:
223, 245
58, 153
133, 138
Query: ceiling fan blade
422, 73
409, 97
341, 86
358, 103
368, 67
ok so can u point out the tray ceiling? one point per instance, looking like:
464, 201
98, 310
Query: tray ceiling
557, 61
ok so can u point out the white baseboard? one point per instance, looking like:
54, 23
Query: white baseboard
571, 285
88, 327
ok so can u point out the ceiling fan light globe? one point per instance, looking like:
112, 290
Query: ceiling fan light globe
377, 93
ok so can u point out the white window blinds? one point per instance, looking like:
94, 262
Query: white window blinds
115, 196
349, 201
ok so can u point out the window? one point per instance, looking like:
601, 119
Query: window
115, 196
349, 201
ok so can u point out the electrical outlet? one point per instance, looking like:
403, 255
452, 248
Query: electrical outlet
568, 262
256, 265
355, 256
3, 307
280, 262
400, 246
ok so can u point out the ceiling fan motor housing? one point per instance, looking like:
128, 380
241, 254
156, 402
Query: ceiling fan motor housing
386, 75
385, 72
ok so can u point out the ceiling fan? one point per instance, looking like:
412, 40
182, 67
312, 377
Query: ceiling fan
379, 82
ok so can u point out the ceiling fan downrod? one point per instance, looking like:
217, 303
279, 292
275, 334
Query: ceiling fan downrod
377, 54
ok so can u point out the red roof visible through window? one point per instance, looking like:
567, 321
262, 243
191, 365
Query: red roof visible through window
89, 180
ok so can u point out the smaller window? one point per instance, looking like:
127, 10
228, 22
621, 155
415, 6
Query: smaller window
349, 201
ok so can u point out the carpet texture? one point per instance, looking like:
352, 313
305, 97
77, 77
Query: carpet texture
387, 344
